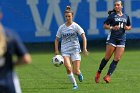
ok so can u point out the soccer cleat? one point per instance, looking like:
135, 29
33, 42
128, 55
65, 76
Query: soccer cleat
107, 78
80, 77
97, 77
75, 87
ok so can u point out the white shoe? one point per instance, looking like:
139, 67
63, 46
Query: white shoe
75, 87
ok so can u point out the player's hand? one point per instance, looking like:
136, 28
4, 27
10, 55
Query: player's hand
56, 52
85, 52
127, 27
116, 27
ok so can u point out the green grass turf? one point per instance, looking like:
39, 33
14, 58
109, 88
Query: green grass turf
42, 77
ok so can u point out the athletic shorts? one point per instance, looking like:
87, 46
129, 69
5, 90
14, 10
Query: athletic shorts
9, 83
116, 43
73, 56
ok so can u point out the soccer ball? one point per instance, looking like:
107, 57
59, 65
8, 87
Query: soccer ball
57, 60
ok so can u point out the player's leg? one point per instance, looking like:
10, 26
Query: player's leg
109, 51
10, 84
76, 67
117, 56
76, 70
76, 58
67, 64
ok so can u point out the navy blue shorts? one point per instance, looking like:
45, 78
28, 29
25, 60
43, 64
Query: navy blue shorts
9, 84
116, 42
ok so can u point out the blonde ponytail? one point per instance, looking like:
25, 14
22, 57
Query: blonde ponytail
2, 41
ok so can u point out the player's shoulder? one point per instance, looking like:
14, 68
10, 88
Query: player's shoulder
61, 26
10, 34
112, 15
76, 25
125, 15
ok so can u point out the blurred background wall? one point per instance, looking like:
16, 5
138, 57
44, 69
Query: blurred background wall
37, 21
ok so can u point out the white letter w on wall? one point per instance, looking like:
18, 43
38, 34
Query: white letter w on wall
53, 9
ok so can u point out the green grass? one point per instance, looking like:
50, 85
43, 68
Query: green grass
42, 77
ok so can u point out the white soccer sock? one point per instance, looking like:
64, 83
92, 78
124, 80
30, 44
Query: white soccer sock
72, 79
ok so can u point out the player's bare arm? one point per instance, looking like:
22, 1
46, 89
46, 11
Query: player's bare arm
25, 59
84, 44
56, 46
127, 27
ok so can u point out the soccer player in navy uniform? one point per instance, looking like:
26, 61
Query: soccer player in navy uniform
10, 45
117, 23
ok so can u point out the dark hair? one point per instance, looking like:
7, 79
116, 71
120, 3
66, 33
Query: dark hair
118, 1
114, 11
68, 10
111, 11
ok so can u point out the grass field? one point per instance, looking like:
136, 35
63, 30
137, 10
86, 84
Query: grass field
42, 77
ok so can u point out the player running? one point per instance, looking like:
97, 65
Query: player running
10, 46
70, 47
117, 23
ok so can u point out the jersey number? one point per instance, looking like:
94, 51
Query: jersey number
121, 25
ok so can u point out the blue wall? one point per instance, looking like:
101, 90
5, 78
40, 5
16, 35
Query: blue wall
38, 20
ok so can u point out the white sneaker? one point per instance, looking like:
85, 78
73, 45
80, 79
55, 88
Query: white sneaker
75, 87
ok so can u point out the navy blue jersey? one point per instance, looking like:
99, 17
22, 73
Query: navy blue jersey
122, 21
14, 47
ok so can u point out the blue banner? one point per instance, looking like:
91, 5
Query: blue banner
38, 20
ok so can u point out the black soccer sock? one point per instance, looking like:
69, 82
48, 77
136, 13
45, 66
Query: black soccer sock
112, 67
102, 65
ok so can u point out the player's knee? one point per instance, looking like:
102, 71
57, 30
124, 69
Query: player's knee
76, 71
69, 70
117, 58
